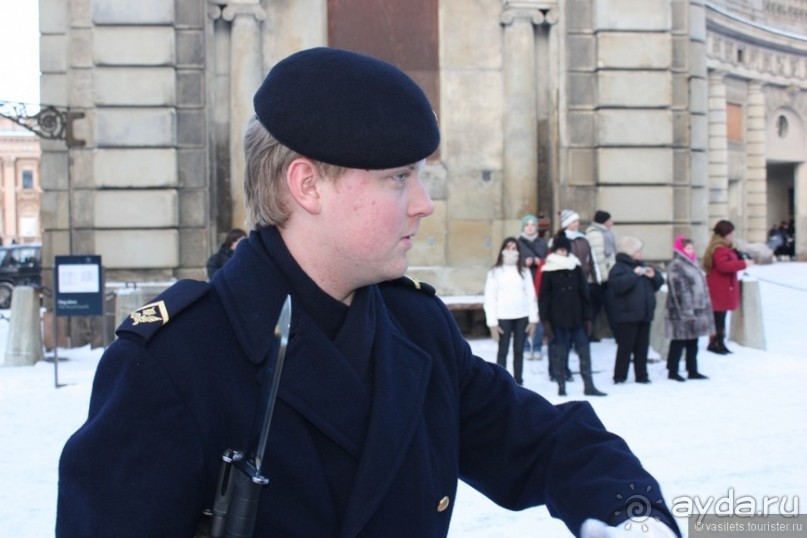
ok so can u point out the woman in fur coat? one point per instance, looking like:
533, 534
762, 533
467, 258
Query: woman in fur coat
689, 309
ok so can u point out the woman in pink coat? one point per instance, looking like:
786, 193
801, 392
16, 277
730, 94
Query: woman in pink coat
722, 263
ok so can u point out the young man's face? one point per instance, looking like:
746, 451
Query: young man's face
372, 216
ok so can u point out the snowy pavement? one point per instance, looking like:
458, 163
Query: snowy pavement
741, 433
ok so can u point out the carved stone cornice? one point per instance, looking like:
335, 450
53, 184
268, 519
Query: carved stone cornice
538, 12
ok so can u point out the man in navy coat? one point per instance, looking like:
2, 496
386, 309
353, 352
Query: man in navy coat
382, 407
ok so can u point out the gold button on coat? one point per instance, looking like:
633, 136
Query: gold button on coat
443, 504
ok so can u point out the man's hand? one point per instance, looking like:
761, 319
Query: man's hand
649, 528
649, 272
495, 333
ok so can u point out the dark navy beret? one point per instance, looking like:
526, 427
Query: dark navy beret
347, 109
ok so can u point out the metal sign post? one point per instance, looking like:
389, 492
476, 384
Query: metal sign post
79, 291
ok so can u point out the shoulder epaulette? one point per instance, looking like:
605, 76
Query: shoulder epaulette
151, 317
414, 284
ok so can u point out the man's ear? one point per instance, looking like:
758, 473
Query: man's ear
303, 180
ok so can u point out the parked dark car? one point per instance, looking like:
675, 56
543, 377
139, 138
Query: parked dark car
20, 265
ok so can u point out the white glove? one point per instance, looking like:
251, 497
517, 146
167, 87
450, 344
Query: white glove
649, 528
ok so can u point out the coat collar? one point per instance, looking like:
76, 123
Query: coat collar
376, 427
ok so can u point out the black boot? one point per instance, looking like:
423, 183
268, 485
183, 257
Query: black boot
585, 372
721, 343
715, 347
673, 358
558, 359
696, 375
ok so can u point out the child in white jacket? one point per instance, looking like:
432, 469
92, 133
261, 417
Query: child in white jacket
511, 306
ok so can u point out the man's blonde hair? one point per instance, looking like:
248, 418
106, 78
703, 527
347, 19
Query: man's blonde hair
267, 162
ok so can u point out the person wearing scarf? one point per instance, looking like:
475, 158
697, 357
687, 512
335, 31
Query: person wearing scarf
722, 263
565, 310
688, 309
511, 308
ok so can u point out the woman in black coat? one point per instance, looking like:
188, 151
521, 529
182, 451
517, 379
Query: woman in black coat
632, 286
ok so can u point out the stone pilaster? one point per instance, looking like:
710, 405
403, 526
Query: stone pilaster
718, 149
800, 192
520, 185
245, 77
756, 201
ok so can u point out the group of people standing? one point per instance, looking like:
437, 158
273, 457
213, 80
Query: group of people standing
553, 289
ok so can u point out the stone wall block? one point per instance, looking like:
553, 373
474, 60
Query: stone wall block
470, 243
190, 88
82, 209
472, 125
698, 95
474, 194
191, 168
143, 12
80, 48
194, 247
191, 127
81, 166
135, 208
138, 248
53, 89
697, 22
581, 52
579, 15
53, 171
634, 127
148, 127
581, 128
54, 210
461, 19
700, 168
190, 48
52, 17
127, 168
133, 86
582, 90
635, 165
193, 210
190, 13
682, 166
638, 203
680, 53
634, 88
643, 15
52, 57
623, 50
681, 126
143, 46
582, 166
697, 59
81, 94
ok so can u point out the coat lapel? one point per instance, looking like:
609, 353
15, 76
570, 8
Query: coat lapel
401, 376
316, 380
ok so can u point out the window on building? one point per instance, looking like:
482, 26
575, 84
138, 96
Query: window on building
734, 122
27, 179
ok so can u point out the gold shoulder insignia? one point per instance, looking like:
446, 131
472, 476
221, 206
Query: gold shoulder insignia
415, 281
150, 313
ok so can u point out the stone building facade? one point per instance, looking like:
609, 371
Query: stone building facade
670, 114
19, 185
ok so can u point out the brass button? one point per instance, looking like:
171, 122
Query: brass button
443, 504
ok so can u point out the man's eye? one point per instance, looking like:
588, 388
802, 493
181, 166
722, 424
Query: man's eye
400, 178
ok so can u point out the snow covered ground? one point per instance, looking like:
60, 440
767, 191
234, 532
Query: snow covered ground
740, 433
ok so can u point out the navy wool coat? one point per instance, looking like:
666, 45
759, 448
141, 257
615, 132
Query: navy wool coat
347, 456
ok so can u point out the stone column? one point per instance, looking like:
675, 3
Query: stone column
756, 200
800, 195
718, 149
245, 77
520, 183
